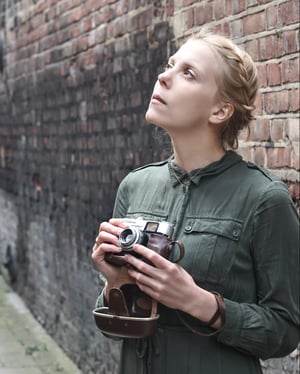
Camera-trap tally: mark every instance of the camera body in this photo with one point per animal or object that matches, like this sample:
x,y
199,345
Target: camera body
x,y
139,233
152,234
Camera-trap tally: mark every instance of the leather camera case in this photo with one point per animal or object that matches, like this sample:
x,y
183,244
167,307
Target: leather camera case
x,y
131,313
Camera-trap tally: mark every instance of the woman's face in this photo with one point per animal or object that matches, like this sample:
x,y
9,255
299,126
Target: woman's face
x,y
185,94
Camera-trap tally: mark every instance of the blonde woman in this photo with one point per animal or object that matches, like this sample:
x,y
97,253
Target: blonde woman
x,y
234,297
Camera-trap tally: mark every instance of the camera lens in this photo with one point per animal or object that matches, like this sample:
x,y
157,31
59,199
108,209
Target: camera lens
x,y
129,237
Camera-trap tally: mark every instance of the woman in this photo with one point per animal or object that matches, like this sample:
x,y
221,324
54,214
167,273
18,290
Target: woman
x,y
239,227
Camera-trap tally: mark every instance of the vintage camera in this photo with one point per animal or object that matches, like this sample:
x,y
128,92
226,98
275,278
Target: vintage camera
x,y
152,234
132,313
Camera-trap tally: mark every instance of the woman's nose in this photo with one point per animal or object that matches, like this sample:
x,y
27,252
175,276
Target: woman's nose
x,y
164,78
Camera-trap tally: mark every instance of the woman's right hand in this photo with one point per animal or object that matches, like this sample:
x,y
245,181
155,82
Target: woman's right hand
x,y
108,241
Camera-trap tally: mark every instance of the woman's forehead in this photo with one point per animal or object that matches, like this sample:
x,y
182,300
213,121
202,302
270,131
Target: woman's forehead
x,y
194,49
197,53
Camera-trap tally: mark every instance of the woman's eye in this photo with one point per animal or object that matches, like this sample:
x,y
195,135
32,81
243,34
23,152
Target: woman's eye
x,y
168,66
188,73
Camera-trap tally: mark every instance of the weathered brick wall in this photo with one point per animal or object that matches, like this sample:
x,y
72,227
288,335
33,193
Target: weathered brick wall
x,y
77,79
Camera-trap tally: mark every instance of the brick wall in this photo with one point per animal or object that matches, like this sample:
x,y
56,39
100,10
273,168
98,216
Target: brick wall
x,y
73,93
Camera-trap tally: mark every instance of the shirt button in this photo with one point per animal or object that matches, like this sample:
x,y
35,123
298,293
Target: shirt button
x,y
188,228
236,233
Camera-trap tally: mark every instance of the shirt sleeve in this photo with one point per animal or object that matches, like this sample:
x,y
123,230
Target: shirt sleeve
x,y
100,301
119,212
269,328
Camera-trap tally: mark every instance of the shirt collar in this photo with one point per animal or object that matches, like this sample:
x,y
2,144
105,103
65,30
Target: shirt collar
x,y
179,176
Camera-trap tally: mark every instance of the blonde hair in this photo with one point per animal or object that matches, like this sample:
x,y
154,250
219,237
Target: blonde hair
x,y
237,84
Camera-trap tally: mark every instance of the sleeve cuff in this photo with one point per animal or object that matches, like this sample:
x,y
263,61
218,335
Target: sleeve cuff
x,y
232,329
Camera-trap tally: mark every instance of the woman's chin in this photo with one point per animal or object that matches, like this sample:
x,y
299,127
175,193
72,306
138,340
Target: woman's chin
x,y
153,119
149,116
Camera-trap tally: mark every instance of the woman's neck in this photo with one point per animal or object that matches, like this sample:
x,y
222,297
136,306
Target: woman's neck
x,y
196,153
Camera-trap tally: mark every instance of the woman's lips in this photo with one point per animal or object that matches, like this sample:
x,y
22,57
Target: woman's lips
x,y
157,98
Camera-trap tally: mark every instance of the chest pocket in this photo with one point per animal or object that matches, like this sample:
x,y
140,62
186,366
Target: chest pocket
x,y
211,245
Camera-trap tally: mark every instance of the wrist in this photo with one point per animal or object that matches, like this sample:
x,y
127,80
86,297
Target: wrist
x,y
106,290
203,306
216,323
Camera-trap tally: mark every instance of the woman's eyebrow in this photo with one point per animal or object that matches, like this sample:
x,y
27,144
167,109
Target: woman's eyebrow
x,y
171,59
188,64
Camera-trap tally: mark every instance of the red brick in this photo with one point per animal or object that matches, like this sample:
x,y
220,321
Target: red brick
x,y
203,13
258,104
41,6
266,48
294,189
144,19
170,8
276,102
289,12
218,9
292,129
109,13
228,7
189,18
278,157
260,130
273,74
83,43
235,6
295,157
294,100
259,156
75,31
262,75
87,25
251,47
289,42
236,28
271,16
277,130
254,23
290,70
223,29
75,15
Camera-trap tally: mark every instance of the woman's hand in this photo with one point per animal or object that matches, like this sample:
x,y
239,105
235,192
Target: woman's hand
x,y
170,284
108,241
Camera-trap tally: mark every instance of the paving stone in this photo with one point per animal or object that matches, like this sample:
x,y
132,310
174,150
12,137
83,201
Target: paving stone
x,y
25,347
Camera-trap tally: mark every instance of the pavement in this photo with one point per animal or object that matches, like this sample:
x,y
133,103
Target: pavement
x,y
25,347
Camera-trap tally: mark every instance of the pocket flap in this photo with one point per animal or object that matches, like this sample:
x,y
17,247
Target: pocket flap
x,y
227,228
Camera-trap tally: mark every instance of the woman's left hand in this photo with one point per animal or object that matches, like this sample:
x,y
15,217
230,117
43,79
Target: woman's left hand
x,y
165,281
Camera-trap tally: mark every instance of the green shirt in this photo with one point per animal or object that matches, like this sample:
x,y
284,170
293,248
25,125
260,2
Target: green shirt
x,y
240,230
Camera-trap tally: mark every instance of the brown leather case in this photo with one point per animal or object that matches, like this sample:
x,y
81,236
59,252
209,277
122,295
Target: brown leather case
x,y
131,313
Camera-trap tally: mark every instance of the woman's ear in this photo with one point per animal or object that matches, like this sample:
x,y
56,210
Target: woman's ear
x,y
222,114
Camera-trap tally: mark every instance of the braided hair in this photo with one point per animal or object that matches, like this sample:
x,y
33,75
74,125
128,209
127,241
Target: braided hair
x,y
238,85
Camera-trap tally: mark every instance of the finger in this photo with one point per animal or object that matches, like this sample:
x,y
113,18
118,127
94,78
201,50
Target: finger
x,y
140,265
105,237
156,259
146,284
120,222
95,246
108,227
142,279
